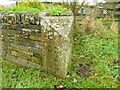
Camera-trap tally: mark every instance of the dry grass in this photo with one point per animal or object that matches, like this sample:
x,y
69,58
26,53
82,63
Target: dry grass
x,y
88,24
114,26
91,24
2,7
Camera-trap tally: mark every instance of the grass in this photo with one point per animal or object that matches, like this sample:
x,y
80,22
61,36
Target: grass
x,y
53,9
97,48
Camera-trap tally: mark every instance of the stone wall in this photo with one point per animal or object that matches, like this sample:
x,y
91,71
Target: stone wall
x,y
40,41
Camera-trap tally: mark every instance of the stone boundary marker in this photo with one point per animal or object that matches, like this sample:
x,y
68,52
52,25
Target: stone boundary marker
x,y
40,41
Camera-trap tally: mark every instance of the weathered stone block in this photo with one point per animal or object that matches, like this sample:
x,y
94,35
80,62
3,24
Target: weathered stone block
x,y
56,38
1,17
8,26
6,51
23,55
35,60
11,32
67,13
45,14
19,26
26,30
36,50
5,17
28,53
26,19
14,53
34,19
35,38
39,56
18,18
22,51
11,18
19,47
33,27
21,62
37,44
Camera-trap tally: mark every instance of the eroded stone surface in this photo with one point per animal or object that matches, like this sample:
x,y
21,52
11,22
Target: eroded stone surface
x,y
56,44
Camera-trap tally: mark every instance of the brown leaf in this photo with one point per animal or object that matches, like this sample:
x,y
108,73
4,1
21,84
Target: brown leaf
x,y
58,86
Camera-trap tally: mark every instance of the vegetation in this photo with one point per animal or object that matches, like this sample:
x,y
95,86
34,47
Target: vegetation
x,y
36,7
94,63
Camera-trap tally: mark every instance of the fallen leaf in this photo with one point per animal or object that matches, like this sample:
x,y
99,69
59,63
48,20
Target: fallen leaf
x,y
59,86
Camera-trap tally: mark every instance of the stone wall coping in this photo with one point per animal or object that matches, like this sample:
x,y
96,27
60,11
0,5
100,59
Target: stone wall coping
x,y
67,13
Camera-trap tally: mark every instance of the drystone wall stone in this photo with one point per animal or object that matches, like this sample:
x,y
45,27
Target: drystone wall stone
x,y
35,40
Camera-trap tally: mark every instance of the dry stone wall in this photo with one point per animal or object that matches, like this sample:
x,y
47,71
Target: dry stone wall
x,y
35,40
